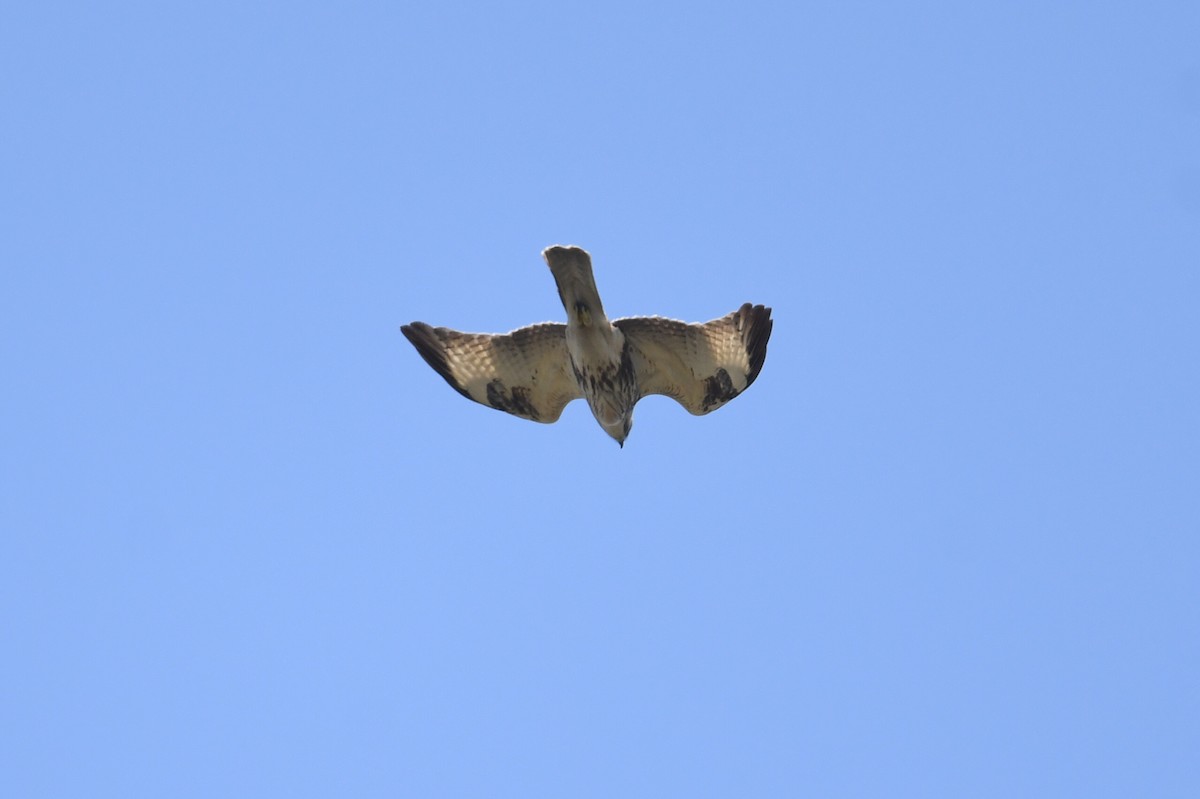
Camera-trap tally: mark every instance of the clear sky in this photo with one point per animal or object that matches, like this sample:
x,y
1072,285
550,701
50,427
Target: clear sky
x,y
947,545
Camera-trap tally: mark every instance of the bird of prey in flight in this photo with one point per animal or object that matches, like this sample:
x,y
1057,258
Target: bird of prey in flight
x,y
533,372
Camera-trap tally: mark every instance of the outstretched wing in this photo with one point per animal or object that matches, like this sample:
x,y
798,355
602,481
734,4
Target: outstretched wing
x,y
701,366
525,372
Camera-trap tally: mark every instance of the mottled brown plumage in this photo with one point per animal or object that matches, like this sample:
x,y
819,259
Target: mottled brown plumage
x,y
533,372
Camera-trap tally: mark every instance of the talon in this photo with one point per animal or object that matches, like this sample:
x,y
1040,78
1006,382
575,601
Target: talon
x,y
585,314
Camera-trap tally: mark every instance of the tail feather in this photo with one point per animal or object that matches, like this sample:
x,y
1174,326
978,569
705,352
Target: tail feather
x,y
572,270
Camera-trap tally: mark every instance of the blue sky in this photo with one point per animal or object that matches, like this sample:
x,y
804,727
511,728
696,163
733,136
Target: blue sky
x,y
945,546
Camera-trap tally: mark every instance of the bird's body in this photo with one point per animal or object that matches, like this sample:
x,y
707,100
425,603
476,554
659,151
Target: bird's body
x,y
533,372
599,361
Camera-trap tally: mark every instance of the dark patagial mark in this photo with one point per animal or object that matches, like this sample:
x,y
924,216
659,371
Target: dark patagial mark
x,y
627,381
625,372
718,390
515,401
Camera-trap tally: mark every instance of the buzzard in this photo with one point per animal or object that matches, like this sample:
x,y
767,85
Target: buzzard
x,y
533,372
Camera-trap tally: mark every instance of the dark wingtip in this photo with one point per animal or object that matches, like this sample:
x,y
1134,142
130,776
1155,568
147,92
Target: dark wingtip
x,y
431,348
756,325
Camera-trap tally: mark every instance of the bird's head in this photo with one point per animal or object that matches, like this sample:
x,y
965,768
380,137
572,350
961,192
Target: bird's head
x,y
619,428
